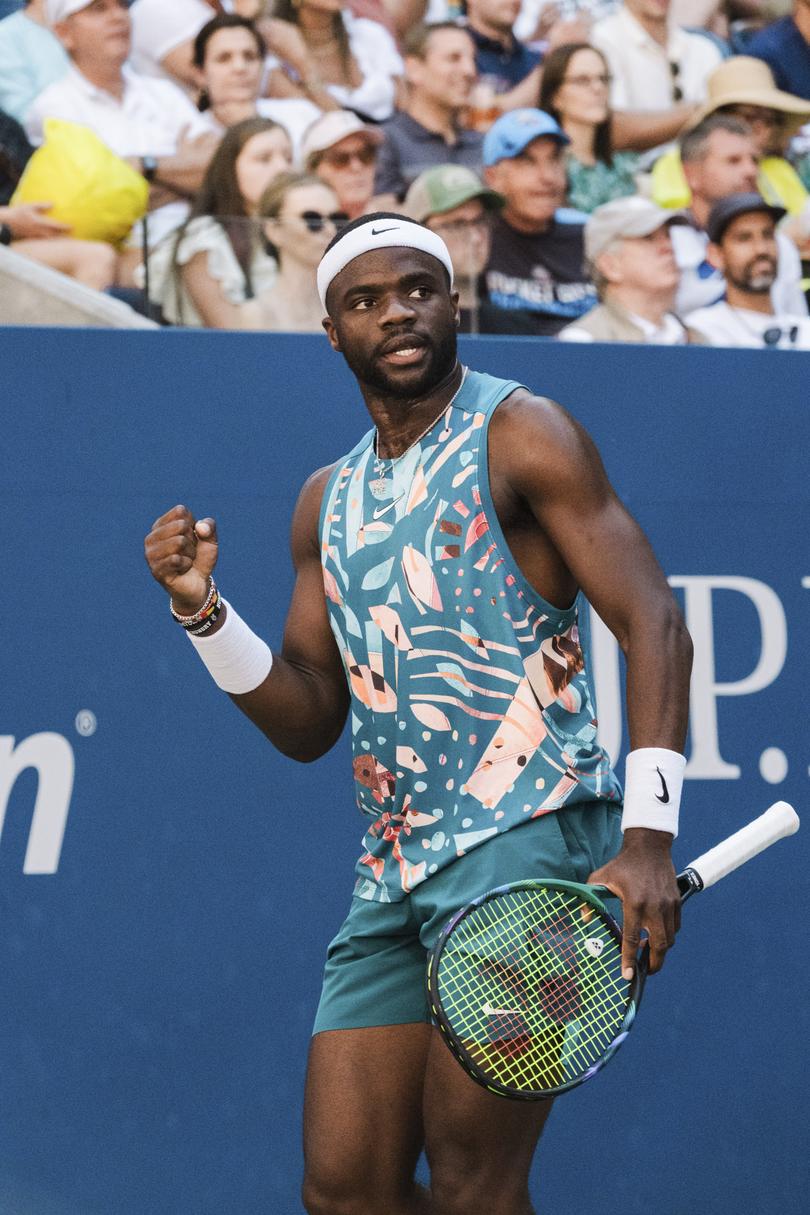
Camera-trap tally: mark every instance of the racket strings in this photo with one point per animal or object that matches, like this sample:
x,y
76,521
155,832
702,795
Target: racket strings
x,y
531,986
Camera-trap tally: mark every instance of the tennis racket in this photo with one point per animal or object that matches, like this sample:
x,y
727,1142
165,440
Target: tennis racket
x,y
526,984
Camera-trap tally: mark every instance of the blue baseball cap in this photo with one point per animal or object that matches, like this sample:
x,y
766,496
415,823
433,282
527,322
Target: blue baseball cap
x,y
515,129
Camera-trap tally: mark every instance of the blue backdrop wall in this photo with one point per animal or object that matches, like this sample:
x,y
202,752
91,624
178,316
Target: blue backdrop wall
x,y
154,1018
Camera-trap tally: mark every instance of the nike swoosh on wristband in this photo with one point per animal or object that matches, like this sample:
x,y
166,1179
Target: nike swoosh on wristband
x,y
379,231
663,800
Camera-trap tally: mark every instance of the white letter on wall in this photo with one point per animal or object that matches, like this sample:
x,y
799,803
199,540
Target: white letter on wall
x,y
51,756
705,762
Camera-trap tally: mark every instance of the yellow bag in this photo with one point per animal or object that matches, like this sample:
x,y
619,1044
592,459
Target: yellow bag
x,y
99,195
669,186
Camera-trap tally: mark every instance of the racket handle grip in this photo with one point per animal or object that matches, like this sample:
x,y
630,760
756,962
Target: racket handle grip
x,y
777,822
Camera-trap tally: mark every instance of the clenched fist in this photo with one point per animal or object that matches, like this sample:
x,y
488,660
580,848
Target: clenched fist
x,y
181,553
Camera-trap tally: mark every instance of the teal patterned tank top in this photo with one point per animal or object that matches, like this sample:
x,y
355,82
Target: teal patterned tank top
x,y
470,704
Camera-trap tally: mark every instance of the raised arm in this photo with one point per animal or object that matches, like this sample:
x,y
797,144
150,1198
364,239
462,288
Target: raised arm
x,y
301,705
638,130
549,463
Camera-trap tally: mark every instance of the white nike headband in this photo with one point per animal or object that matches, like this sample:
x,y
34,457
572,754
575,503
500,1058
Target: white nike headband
x,y
386,233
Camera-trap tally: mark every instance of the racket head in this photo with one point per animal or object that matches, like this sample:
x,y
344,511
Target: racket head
x,y
525,985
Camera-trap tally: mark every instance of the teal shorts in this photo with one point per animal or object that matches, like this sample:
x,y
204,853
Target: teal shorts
x,y
375,966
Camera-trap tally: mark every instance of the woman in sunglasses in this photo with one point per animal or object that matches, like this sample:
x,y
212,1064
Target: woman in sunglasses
x,y
211,272
575,90
301,215
342,151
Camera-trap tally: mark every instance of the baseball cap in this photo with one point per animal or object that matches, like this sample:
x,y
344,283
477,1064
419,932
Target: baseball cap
x,y
330,128
59,9
732,205
624,217
444,187
510,133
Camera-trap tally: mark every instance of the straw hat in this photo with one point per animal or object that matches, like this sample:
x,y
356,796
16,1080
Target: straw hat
x,y
743,80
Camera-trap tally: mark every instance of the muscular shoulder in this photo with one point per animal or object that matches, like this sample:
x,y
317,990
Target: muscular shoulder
x,y
305,538
536,446
530,428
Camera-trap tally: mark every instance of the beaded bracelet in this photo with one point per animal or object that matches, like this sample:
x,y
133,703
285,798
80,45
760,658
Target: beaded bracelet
x,y
202,612
199,630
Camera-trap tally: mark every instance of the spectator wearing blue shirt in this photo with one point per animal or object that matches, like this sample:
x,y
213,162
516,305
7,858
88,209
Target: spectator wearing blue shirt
x,y
501,59
785,47
31,58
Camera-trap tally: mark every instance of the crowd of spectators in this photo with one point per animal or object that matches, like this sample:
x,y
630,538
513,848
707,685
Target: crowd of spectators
x,y
601,170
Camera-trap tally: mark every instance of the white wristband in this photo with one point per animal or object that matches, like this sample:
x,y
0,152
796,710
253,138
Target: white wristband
x,y
652,789
237,659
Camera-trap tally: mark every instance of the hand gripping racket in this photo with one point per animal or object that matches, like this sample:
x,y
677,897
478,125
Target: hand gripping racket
x,y
526,984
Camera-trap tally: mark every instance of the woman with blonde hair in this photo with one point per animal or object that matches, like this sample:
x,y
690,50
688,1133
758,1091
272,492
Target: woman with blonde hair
x,y
301,215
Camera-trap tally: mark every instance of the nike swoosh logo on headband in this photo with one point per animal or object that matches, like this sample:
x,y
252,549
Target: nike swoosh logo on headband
x,y
379,231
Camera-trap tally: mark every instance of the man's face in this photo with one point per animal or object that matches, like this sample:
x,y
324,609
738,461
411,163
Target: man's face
x,y
466,232
642,263
447,72
533,184
498,14
393,318
729,166
100,32
748,254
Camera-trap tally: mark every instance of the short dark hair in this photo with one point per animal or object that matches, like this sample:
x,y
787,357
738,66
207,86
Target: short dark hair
x,y
417,39
694,142
224,21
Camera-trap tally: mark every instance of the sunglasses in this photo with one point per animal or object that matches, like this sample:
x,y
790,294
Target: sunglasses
x,y
772,337
316,222
342,160
675,71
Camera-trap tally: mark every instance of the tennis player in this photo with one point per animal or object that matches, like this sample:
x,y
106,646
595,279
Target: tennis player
x,y
438,566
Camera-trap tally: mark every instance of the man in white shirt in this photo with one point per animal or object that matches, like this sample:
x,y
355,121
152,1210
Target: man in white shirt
x,y
149,122
743,247
720,158
628,249
654,63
